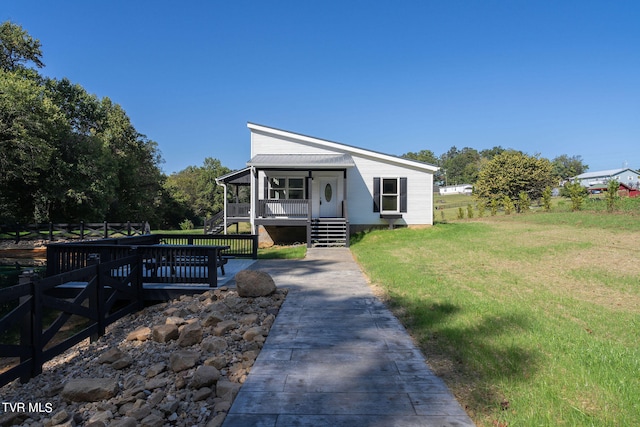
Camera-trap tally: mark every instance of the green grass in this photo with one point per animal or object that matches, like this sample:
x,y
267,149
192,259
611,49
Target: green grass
x,y
530,319
283,252
446,208
197,230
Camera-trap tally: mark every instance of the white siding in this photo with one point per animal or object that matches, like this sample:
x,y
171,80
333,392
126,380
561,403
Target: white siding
x,y
267,144
359,178
360,192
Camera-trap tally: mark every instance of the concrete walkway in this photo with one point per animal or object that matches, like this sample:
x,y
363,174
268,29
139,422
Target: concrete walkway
x,y
336,356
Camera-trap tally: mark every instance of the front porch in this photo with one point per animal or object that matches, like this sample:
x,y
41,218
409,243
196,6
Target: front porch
x,y
306,192
275,213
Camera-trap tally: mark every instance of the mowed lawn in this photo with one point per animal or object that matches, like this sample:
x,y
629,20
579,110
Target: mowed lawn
x,y
531,320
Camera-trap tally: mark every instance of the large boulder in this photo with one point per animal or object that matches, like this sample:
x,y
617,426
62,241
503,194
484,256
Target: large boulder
x,y
254,283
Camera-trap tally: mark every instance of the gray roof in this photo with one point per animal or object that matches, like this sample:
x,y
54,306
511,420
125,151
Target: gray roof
x,y
242,176
603,174
318,161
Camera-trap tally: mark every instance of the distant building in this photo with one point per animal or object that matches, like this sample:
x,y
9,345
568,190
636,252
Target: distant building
x,y
628,177
624,190
456,189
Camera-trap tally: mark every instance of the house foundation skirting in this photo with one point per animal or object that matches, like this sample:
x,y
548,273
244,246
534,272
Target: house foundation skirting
x,y
269,235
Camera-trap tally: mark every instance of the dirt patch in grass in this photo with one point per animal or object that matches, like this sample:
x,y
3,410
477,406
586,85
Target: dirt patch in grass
x,y
610,255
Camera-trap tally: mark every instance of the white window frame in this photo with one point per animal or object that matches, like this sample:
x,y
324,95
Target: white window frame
x,y
389,195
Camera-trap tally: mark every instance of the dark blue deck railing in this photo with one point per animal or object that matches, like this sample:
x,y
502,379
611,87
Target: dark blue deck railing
x,y
63,257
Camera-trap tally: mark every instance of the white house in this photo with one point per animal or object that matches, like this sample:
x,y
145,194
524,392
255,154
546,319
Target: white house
x,y
456,189
625,176
309,189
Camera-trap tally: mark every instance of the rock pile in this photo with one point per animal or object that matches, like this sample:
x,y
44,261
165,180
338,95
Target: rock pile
x,y
179,363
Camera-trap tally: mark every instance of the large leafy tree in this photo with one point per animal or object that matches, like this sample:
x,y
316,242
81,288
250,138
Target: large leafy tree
x,y
18,48
195,188
425,156
511,173
29,120
565,167
66,155
490,153
461,166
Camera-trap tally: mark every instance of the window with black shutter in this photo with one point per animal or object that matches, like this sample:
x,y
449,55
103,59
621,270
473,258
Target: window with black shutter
x,y
390,195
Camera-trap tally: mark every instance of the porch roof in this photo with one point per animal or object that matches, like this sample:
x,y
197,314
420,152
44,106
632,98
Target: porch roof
x,y
239,177
316,161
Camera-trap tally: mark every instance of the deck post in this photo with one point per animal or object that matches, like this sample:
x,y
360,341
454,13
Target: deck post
x,y
212,267
26,333
139,280
36,329
96,300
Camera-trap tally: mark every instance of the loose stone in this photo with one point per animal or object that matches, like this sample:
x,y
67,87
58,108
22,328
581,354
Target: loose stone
x,y
179,363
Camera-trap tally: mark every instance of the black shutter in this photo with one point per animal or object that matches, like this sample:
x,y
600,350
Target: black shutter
x,y
403,194
265,190
376,194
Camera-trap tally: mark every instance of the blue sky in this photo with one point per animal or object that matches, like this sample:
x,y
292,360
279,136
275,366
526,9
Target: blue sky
x,y
549,77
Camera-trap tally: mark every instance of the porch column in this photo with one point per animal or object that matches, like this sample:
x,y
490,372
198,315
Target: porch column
x,y
345,204
253,199
224,210
308,196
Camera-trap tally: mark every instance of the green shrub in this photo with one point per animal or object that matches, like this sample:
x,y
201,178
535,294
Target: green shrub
x,y
469,211
524,202
460,213
546,199
481,208
187,224
494,207
612,195
576,193
508,205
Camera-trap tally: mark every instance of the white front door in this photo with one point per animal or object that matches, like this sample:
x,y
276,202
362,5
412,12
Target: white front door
x,y
328,197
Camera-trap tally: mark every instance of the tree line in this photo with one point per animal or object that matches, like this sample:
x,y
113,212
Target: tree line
x,y
463,166
67,155
503,177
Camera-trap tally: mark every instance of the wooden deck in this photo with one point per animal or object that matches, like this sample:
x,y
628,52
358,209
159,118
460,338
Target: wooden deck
x,y
104,281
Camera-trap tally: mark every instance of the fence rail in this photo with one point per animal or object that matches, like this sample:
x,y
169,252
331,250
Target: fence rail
x,y
28,303
79,231
241,245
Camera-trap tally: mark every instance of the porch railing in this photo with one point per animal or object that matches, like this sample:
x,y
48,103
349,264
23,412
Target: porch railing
x,y
287,208
238,210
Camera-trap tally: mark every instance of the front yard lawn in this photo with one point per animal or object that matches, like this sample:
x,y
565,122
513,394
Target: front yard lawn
x,y
529,319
